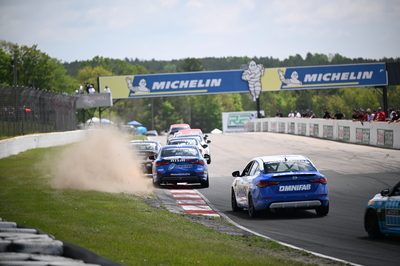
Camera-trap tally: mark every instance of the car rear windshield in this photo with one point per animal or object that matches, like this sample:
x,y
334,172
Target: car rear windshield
x,y
179,152
182,142
143,146
288,166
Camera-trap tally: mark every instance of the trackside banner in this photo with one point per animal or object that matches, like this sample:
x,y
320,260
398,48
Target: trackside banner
x,y
254,79
235,121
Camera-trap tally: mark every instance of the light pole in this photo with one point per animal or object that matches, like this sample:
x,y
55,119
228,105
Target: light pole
x,y
152,114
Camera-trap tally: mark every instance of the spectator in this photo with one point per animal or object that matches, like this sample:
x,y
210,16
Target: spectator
x,y
278,113
81,89
395,117
327,115
391,112
107,90
291,114
312,115
252,116
356,115
91,90
369,116
297,114
304,114
76,91
339,115
380,115
87,86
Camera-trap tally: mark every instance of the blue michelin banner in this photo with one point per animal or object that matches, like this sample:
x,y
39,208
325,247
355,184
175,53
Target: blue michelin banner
x,y
187,83
320,77
254,79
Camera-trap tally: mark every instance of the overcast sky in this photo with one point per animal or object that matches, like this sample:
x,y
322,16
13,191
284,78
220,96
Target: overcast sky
x,y
72,30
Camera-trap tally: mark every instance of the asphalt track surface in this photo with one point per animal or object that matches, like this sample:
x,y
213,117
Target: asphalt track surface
x,y
355,174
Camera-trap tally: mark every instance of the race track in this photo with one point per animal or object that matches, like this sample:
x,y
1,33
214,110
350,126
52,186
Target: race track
x,y
355,173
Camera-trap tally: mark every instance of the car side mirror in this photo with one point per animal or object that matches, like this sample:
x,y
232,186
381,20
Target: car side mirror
x,y
205,146
385,192
208,141
236,174
152,157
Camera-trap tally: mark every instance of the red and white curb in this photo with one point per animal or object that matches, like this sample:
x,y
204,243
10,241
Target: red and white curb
x,y
192,202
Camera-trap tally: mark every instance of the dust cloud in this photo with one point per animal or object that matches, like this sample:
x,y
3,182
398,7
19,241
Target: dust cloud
x,y
101,162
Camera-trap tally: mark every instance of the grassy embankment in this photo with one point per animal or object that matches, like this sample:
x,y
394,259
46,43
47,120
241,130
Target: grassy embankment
x,y
120,226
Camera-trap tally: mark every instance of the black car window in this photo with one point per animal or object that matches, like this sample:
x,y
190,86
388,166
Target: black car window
x,y
247,169
255,168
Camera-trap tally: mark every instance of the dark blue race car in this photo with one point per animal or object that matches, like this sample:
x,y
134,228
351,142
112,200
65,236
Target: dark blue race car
x,y
382,215
279,182
180,164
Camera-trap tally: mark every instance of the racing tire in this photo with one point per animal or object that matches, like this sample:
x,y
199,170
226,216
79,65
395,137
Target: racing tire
x,y
156,184
371,225
322,210
253,213
235,207
205,184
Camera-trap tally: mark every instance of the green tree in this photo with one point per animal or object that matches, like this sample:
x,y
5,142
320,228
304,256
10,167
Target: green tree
x,y
6,71
90,75
36,69
192,64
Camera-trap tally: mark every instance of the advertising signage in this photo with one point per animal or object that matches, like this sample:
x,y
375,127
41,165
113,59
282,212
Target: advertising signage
x,y
254,79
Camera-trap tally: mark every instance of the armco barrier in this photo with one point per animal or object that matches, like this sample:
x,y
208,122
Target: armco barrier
x,y
20,144
380,134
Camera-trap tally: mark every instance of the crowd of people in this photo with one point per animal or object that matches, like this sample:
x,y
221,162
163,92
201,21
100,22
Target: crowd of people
x,y
89,89
358,115
376,115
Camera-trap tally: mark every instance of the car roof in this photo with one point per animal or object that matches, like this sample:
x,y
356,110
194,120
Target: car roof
x,y
274,158
192,130
179,125
196,139
198,136
144,141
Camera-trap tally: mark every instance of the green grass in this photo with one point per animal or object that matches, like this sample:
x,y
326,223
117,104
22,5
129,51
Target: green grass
x,y
120,226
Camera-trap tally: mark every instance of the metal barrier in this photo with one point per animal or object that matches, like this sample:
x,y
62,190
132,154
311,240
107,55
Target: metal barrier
x,y
29,110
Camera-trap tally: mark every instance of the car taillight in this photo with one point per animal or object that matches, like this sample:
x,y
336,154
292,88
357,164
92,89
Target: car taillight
x,y
319,180
161,163
263,184
198,162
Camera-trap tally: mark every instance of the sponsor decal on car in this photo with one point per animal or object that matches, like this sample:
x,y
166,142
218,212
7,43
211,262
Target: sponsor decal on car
x,y
295,187
179,160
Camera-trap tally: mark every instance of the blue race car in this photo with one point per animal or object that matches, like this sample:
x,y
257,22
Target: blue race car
x,y
180,164
382,215
272,183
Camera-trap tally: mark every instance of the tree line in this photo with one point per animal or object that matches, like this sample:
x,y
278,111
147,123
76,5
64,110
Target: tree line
x,y
36,69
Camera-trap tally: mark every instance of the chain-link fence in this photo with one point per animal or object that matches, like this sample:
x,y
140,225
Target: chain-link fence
x,y
29,110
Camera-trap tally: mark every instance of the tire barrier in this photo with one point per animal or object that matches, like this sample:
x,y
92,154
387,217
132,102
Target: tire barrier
x,y
23,245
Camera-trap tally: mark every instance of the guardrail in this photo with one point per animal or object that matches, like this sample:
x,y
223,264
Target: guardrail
x,y
380,134
16,145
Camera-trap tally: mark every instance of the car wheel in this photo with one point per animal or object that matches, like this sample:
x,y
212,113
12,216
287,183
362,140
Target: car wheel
x,y
322,210
251,209
156,184
235,208
205,184
371,224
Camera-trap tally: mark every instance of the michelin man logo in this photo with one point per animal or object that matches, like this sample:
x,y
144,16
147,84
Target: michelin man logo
x,y
292,81
253,75
137,89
